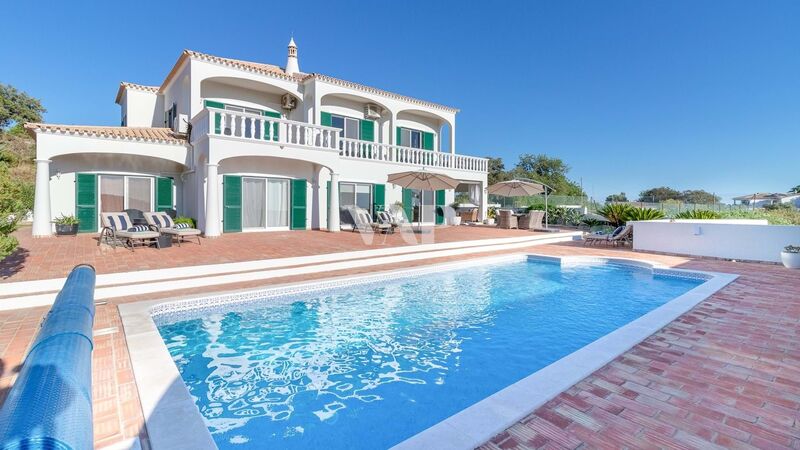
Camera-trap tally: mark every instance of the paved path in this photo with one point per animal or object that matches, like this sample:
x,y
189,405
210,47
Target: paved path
x,y
724,374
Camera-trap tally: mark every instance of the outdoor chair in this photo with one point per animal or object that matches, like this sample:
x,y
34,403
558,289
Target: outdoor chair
x,y
362,222
506,219
531,221
469,216
619,235
164,224
118,228
385,217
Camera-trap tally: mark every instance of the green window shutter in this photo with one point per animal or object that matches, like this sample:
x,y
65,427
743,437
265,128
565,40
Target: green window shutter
x,y
427,140
86,202
231,203
164,200
217,116
408,206
440,204
274,133
299,204
367,130
378,198
399,136
325,119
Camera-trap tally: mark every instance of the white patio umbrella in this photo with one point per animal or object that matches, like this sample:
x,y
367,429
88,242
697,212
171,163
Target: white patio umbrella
x,y
522,188
423,180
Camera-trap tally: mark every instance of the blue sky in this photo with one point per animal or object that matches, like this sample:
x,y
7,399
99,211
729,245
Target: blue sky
x,y
631,94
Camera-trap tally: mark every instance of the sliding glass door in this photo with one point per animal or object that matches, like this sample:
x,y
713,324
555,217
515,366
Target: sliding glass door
x,y
265,203
119,192
423,207
254,203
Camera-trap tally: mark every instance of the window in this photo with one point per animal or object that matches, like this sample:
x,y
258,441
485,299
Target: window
x,y
410,138
358,195
170,115
247,122
422,206
265,203
118,192
351,128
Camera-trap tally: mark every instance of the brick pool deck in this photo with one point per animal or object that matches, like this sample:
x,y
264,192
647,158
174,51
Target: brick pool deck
x,y
724,375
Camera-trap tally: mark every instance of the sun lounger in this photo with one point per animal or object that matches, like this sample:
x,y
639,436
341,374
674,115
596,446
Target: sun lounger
x,y
118,228
362,222
618,236
164,224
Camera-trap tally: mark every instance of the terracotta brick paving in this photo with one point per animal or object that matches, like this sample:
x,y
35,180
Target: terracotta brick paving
x,y
726,374
54,257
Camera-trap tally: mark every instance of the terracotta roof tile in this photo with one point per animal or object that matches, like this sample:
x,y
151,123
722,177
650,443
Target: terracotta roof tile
x,y
164,135
275,71
138,87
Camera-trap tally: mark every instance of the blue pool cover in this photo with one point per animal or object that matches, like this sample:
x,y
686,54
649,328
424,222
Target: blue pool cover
x,y
50,405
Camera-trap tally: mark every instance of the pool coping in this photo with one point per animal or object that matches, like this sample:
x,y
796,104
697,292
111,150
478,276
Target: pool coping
x,y
173,420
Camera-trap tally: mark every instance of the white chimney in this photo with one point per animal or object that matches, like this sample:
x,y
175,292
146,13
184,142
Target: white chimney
x,y
292,65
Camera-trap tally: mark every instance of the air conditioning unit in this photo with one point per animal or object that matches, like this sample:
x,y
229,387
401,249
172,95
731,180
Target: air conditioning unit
x,y
181,124
288,101
372,111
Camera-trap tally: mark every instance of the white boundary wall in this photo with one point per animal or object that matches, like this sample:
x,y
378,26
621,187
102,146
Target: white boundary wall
x,y
751,240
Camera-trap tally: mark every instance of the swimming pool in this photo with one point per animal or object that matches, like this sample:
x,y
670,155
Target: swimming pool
x,y
370,365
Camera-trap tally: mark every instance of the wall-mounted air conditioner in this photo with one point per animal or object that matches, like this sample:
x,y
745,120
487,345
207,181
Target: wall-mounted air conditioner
x,y
372,111
288,101
181,124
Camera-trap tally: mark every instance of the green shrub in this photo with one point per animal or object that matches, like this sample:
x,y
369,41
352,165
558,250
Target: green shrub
x,y
698,214
644,214
189,220
616,213
7,245
775,217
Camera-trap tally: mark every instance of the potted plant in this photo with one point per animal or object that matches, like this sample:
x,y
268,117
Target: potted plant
x,y
456,219
66,225
490,214
790,256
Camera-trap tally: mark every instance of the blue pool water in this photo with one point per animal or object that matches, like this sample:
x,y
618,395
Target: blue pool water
x,y
371,365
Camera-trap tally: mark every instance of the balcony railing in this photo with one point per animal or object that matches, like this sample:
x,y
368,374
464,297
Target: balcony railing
x,y
356,149
219,122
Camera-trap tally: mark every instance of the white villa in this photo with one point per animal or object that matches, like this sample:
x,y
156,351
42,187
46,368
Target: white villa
x,y
245,146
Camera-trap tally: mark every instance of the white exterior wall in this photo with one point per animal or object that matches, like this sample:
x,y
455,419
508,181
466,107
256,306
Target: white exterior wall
x,y
751,240
141,109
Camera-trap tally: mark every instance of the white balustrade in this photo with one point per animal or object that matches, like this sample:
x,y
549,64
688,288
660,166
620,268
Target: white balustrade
x,y
262,128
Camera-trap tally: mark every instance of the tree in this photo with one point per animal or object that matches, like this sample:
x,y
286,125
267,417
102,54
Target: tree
x,y
497,171
795,190
551,171
659,194
17,107
699,196
621,197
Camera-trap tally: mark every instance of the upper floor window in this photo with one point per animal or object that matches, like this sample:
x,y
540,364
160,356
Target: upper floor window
x,y
169,116
410,138
351,128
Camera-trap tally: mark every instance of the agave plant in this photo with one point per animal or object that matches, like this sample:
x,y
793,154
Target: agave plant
x,y
644,214
616,213
698,214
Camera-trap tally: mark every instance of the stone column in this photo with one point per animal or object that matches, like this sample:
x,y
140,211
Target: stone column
x,y
212,201
41,202
333,207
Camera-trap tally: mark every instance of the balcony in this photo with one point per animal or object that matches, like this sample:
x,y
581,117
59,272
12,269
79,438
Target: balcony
x,y
252,127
